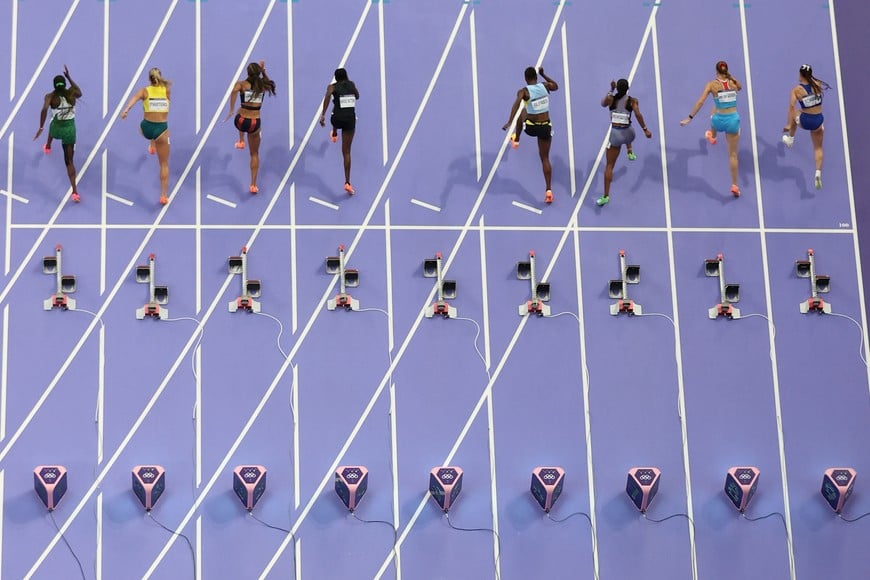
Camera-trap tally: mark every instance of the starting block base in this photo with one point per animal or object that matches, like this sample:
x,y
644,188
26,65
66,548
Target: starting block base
x,y
815,305
343,301
627,306
153,311
245,303
59,301
534,307
441,309
727,310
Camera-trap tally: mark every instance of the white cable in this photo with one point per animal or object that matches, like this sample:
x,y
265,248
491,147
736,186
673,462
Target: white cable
x,y
97,409
389,320
94,314
860,329
658,314
196,346
476,349
577,318
280,332
772,326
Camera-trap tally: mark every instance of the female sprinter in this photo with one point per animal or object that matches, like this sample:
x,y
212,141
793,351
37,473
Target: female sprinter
x,y
725,117
155,100
62,102
535,117
808,93
621,107
251,92
344,95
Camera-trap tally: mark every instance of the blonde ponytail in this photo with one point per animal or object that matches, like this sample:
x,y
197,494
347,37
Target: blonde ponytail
x,y
156,78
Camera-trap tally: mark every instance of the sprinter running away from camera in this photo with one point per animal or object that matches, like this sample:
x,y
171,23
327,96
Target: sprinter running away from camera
x,y
155,101
62,102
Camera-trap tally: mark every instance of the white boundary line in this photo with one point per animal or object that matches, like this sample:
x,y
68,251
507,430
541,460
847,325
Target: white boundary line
x,y
383,66
774,364
197,67
569,118
8,249
39,67
197,415
290,96
484,287
299,559
4,372
14,196
294,309
104,178
198,236
678,345
198,542
394,442
101,392
2,503
587,414
475,94
389,258
319,201
106,4
425,205
294,397
98,564
100,140
118,198
526,207
849,185
13,50
221,201
521,325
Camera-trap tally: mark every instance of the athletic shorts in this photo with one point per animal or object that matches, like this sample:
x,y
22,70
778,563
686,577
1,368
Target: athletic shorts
x,y
729,123
152,130
540,130
65,131
247,125
620,136
811,122
345,123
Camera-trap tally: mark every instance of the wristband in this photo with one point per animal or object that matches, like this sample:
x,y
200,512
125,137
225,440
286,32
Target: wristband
x,y
691,116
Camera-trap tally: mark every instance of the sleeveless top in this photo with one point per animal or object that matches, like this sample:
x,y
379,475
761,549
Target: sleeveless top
x,y
250,98
157,101
344,98
64,111
811,99
620,111
727,97
539,99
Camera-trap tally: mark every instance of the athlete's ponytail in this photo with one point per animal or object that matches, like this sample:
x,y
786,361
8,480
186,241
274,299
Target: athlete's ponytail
x,y
806,73
621,91
156,78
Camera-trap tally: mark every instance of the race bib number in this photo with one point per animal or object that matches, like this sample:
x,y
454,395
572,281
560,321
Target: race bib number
x,y
812,100
540,105
727,97
252,97
618,118
347,101
158,105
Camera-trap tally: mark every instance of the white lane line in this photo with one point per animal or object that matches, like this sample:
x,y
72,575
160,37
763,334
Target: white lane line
x,y
569,122
319,201
526,207
299,559
290,96
382,56
294,309
774,364
8,248
466,428
36,244
485,293
101,391
106,58
197,361
39,67
425,205
475,95
197,67
678,348
14,196
98,564
394,454
294,398
2,503
849,185
104,177
4,373
198,535
198,235
13,50
118,198
490,415
587,415
221,201
389,252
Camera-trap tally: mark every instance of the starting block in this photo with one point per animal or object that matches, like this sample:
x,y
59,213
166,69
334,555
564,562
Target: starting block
x,y
157,295
540,290
347,278
629,274
728,293
250,288
446,289
64,284
819,284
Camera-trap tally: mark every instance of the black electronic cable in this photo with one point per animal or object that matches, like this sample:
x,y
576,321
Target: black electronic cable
x,y
494,533
280,529
186,539
850,520
71,551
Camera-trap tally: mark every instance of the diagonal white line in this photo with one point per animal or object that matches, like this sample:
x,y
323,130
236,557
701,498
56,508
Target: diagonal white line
x,y
220,200
39,67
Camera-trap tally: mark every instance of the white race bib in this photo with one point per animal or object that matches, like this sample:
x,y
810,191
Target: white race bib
x,y
541,104
812,100
347,101
158,105
252,97
725,97
618,118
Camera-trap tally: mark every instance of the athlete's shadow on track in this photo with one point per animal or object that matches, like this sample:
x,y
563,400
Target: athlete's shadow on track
x,y
679,178
312,181
769,165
